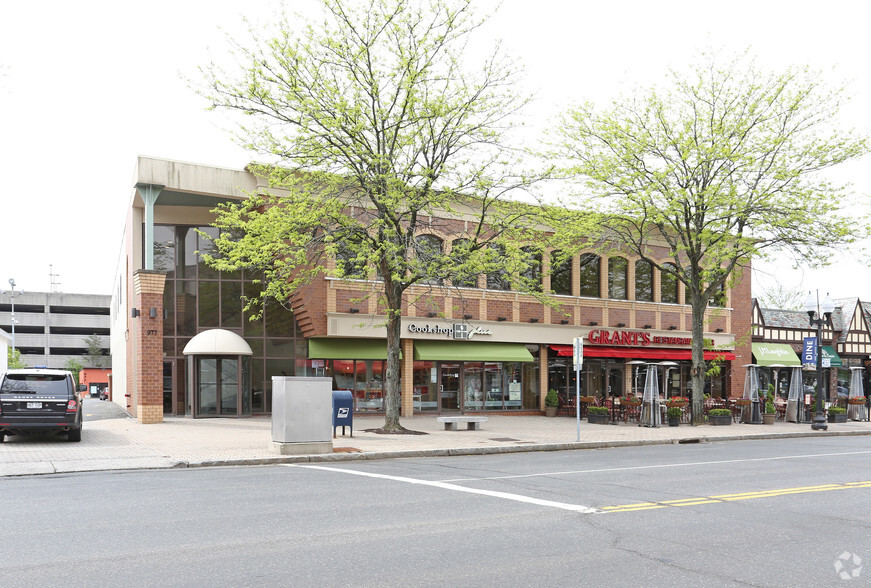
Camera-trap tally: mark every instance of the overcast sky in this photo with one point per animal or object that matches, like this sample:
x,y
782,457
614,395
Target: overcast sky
x,y
86,86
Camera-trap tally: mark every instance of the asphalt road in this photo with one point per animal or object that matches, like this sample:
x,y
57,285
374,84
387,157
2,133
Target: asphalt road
x,y
791,512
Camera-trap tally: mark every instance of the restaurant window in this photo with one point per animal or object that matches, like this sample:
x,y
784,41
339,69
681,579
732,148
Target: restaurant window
x,y
617,278
532,273
460,256
428,250
643,281
668,284
560,273
493,386
589,275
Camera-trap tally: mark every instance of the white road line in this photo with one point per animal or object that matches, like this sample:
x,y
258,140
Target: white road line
x,y
445,486
650,467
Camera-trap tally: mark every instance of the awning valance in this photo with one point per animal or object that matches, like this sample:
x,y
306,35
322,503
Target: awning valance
x,y
774,353
217,342
347,349
641,353
470,351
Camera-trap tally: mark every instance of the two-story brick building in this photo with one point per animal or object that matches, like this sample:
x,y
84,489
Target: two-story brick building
x,y
477,348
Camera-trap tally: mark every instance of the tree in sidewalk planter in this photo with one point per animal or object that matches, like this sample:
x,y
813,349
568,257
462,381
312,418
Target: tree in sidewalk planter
x,y
377,130
721,167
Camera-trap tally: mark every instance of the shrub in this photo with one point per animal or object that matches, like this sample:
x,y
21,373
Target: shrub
x,y
551,399
673,412
837,410
602,410
719,412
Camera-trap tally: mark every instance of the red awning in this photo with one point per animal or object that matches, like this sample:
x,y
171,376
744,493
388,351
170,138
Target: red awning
x,y
640,352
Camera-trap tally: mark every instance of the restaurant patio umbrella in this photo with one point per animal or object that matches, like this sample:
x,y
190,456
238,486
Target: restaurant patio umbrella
x,y
795,400
857,412
650,406
752,413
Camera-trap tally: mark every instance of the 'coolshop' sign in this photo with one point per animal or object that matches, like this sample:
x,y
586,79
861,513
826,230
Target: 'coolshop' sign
x,y
457,331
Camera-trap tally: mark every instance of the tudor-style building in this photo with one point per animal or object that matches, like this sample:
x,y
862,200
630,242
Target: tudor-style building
x,y
778,335
480,347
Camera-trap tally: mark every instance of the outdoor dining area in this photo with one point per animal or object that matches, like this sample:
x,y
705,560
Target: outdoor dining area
x,y
646,405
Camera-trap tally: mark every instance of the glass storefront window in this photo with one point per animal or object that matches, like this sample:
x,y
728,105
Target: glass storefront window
x,y
206,245
513,386
473,395
164,249
425,382
493,386
186,258
186,308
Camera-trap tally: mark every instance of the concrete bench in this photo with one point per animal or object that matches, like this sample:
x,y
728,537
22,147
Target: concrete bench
x,y
473,423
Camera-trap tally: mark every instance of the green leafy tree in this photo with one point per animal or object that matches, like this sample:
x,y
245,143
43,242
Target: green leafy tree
x,y
381,132
96,357
720,167
13,359
75,366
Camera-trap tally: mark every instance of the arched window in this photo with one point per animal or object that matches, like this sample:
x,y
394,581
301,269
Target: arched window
x,y
532,274
668,284
617,278
427,249
498,278
560,274
460,257
349,266
589,275
643,281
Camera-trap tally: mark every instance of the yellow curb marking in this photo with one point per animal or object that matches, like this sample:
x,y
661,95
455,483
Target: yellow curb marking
x,y
733,497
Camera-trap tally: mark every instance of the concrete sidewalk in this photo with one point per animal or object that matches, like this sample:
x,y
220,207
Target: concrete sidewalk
x,y
122,443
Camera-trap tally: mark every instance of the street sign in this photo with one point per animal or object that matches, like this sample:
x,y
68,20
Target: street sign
x,y
578,352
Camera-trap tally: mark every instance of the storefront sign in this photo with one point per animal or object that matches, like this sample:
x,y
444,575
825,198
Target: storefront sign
x,y
637,339
457,331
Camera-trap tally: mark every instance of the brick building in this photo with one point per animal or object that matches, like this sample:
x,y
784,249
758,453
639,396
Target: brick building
x,y
478,348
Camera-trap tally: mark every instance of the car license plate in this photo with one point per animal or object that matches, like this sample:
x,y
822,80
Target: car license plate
x,y
34,405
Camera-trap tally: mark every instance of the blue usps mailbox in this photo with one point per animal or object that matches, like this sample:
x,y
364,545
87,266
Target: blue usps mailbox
x,y
343,411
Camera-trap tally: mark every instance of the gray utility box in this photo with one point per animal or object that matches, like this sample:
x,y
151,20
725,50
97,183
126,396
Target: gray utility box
x,y
302,411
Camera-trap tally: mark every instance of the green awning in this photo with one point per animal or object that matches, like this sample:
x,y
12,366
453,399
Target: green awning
x,y
829,352
470,351
347,349
775,353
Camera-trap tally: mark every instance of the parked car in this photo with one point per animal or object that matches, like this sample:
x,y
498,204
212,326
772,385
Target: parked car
x,y
39,400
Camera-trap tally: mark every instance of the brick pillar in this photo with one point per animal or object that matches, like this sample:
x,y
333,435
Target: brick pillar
x,y
407,377
148,294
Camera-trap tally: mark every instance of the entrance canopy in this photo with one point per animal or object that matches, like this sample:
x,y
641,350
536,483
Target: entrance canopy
x,y
774,353
470,351
641,353
217,342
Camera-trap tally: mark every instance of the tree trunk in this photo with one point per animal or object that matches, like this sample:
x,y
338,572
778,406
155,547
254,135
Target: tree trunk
x,y
393,371
697,371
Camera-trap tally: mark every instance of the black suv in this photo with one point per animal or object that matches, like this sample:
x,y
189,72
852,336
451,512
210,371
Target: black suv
x,y
39,400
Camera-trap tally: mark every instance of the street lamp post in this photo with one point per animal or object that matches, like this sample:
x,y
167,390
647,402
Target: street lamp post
x,y
823,313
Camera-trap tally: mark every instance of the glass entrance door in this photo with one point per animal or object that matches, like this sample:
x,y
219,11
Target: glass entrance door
x,y
218,386
449,386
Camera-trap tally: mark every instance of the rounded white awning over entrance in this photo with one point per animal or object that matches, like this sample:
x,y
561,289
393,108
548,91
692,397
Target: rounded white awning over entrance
x,y
217,342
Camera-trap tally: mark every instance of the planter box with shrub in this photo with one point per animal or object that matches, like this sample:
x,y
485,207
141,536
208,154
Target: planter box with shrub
x,y
597,415
720,416
837,415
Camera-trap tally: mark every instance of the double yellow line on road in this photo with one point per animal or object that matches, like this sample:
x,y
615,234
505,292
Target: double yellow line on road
x,y
732,497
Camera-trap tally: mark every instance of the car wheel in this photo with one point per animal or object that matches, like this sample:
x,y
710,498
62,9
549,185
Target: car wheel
x,y
74,435
2,437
